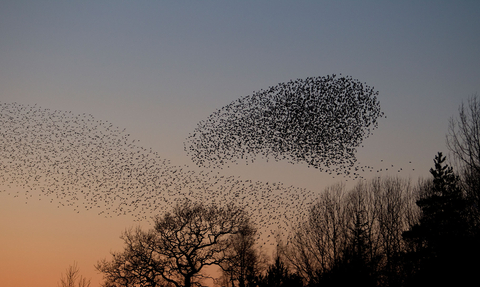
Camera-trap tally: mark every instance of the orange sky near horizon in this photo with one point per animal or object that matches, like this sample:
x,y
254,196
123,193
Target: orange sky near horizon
x,y
157,68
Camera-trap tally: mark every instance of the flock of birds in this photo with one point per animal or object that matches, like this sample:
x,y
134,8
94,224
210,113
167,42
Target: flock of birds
x,y
88,164
320,121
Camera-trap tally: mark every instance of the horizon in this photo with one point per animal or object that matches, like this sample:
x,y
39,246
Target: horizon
x,y
154,70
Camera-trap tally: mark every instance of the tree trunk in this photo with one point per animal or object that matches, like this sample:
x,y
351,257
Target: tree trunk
x,y
188,281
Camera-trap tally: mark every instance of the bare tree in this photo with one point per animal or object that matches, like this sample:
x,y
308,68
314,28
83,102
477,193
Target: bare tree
x,y
355,233
396,212
463,141
72,278
243,261
463,138
177,249
137,265
318,243
362,219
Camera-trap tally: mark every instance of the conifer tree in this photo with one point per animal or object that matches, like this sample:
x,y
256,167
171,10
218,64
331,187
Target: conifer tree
x,y
440,235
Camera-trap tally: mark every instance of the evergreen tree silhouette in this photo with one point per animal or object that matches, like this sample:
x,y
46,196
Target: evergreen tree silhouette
x,y
355,267
278,275
440,239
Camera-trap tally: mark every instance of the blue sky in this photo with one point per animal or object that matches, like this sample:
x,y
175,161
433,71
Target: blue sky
x,y
159,67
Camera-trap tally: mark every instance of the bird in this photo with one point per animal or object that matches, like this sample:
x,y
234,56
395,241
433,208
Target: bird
x,y
86,164
318,120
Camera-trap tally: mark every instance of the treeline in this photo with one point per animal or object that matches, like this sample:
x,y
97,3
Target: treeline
x,y
383,232
388,233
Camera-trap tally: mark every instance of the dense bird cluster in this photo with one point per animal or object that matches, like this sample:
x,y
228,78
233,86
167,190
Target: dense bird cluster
x,y
87,164
320,121
77,161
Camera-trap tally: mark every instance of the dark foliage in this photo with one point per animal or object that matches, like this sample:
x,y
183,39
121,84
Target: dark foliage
x,y
441,242
279,275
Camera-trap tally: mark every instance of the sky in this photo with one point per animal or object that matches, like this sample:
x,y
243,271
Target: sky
x,y
157,68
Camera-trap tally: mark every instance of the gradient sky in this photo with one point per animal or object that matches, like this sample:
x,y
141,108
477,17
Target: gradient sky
x,y
157,68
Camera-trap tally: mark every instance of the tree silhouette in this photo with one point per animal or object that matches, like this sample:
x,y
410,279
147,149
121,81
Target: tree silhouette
x,y
177,249
242,261
279,275
72,278
318,242
440,236
359,256
463,138
137,265
463,141
355,234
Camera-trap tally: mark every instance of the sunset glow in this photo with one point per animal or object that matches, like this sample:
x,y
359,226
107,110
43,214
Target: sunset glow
x,y
129,83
